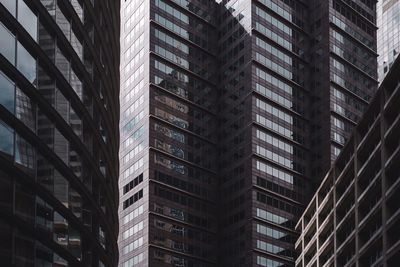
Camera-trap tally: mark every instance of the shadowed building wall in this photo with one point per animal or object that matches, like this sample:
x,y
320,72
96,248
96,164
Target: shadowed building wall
x,y
59,112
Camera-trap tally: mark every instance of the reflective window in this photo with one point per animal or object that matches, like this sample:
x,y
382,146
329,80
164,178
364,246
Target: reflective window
x,y
170,133
62,63
133,214
274,126
264,230
26,64
172,11
133,137
172,26
133,245
172,119
274,81
172,149
24,152
272,217
273,36
27,19
7,94
133,230
172,165
78,8
63,23
7,139
25,109
133,122
11,5
7,44
266,168
268,262
133,261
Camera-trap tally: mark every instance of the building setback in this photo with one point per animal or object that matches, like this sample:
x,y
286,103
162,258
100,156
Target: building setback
x,y
353,218
231,112
59,86
388,21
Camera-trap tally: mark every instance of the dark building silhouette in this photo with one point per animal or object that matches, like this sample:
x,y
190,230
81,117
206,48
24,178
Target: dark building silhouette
x,y
353,218
231,113
59,112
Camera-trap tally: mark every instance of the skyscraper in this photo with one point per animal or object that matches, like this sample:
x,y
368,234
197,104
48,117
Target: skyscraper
x,y
59,111
231,112
303,75
388,22
353,218
168,142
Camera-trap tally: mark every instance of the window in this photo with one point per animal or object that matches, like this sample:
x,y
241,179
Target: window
x,y
274,172
268,262
133,214
26,64
27,19
133,230
134,245
272,217
7,138
7,43
7,93
133,261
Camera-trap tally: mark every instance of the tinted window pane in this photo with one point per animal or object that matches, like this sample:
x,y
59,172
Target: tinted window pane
x,y
25,109
7,44
7,139
7,93
27,18
10,5
26,64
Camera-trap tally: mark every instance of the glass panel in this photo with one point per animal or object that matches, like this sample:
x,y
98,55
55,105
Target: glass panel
x,y
27,19
76,84
63,23
7,139
50,5
10,5
62,63
7,90
7,44
75,243
26,64
44,215
78,8
25,109
24,153
60,230
77,45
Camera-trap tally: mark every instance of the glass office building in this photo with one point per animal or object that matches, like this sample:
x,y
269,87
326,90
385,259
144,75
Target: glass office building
x,y
388,22
353,218
231,112
168,142
59,84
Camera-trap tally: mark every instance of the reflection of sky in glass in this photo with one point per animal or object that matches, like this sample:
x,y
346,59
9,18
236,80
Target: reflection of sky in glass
x,y
27,19
26,64
7,93
7,44
10,5
7,139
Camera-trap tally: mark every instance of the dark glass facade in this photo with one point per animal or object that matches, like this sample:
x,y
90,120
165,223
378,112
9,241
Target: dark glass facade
x,y
231,112
168,143
353,218
59,85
